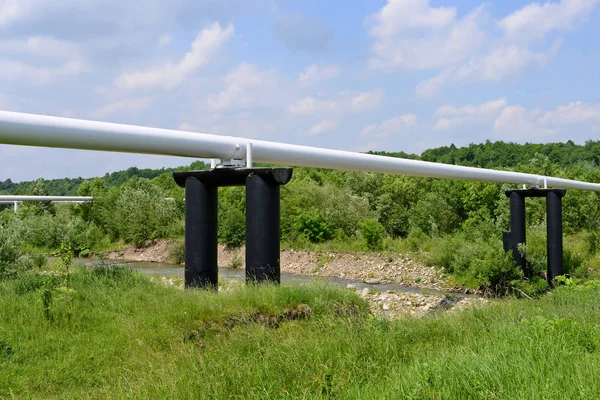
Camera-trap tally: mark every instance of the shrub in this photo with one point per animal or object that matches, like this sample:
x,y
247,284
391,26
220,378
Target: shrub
x,y
177,252
11,261
143,213
476,257
313,226
232,228
372,232
416,240
433,215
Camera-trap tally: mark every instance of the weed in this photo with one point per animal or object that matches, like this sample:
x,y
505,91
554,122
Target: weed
x,y
236,262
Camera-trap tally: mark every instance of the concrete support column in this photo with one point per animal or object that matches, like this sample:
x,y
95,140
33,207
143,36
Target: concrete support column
x,y
262,230
201,268
554,232
517,229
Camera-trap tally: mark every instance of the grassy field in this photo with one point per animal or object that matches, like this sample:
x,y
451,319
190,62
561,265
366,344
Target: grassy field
x,y
113,333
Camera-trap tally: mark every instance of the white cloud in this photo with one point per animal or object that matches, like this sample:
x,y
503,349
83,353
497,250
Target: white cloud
x,y
517,123
208,41
40,60
571,114
396,126
412,34
535,20
441,40
346,102
245,124
322,127
247,86
312,105
432,86
314,74
402,15
450,117
367,101
165,40
128,106
11,10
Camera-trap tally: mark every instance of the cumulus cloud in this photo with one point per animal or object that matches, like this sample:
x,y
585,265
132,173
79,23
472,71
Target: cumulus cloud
x,y
127,106
40,60
397,126
518,123
246,86
322,127
12,10
312,105
169,76
535,20
367,101
314,74
346,102
412,34
515,122
443,38
571,114
453,117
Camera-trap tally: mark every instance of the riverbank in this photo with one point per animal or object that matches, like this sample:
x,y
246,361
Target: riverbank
x,y
374,269
371,268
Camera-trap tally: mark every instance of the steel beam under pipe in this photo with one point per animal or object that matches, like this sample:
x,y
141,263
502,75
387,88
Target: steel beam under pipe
x,y
44,131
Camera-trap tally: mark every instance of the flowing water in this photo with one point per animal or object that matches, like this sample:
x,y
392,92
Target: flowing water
x,y
170,270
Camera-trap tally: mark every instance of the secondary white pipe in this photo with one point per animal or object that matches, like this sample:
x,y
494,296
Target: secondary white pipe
x,y
37,130
6,199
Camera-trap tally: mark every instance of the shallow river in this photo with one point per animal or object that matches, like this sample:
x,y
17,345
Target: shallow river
x,y
170,270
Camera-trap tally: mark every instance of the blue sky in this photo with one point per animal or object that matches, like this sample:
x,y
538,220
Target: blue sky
x,y
395,75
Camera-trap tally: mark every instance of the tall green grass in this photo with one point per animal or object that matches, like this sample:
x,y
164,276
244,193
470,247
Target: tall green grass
x,y
122,336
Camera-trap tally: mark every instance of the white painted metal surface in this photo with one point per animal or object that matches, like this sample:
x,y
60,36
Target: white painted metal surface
x,y
5,199
37,130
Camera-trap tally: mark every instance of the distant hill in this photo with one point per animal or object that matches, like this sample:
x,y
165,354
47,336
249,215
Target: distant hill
x,y
485,155
68,186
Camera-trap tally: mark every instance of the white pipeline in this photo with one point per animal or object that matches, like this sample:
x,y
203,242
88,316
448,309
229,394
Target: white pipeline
x,y
37,130
6,199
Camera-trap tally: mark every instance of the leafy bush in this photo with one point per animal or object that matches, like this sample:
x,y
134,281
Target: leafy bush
x,y
372,232
476,257
536,254
333,206
143,213
11,261
313,226
177,252
232,228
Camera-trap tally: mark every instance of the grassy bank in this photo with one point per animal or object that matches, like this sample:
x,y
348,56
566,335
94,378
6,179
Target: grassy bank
x,y
115,334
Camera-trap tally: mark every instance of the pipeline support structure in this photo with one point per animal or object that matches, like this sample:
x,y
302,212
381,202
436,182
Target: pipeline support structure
x,y
262,222
516,237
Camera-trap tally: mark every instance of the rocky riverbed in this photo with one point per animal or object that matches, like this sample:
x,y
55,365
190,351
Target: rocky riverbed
x,y
362,267
370,268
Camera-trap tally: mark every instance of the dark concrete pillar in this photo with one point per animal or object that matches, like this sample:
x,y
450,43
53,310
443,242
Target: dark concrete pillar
x,y
554,232
517,229
201,268
262,230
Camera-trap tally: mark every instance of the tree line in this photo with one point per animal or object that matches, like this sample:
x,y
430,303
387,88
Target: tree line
x,y
455,225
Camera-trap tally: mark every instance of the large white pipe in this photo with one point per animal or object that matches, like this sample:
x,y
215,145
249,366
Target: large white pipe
x,y
37,130
5,199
